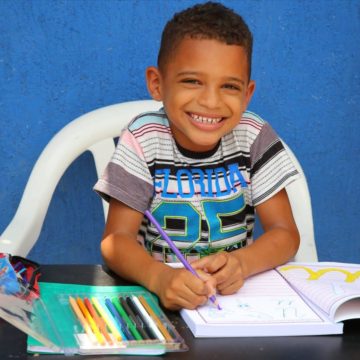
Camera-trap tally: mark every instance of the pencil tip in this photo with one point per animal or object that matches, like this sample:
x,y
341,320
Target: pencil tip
x,y
216,303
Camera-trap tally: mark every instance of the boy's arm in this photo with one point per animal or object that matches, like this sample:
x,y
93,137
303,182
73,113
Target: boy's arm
x,y
276,245
123,253
120,248
280,239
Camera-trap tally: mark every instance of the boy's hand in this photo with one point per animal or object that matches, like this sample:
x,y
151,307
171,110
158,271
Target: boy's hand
x,y
179,288
226,268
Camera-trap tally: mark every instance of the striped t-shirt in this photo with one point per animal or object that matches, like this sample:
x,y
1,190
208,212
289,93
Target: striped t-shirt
x,y
204,201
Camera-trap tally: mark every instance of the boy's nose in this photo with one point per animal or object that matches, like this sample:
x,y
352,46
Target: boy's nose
x,y
209,97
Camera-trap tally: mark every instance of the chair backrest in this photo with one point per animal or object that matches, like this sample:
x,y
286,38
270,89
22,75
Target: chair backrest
x,y
95,132
300,201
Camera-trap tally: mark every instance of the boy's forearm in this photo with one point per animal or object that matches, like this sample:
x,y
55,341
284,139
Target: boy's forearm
x,y
273,248
127,258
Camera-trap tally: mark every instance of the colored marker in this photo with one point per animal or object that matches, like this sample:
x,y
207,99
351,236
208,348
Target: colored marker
x,y
155,318
99,308
138,315
148,320
98,320
91,321
114,321
177,252
82,320
117,318
134,319
124,315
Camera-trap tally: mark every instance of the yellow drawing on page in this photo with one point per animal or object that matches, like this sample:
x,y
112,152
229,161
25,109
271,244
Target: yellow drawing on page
x,y
316,274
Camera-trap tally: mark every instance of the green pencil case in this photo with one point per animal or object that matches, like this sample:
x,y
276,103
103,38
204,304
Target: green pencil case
x,y
89,320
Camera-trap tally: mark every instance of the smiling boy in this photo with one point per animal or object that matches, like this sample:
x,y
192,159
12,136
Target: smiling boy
x,y
202,165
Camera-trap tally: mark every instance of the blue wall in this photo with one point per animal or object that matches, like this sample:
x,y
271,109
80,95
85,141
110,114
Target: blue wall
x,y
60,59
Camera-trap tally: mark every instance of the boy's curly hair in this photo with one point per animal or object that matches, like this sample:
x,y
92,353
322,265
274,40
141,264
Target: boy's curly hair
x,y
209,20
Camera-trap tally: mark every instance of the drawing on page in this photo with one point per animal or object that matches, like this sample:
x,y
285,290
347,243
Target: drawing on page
x,y
242,309
288,310
269,309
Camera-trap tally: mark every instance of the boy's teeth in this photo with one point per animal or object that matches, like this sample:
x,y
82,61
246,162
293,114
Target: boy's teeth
x,y
205,120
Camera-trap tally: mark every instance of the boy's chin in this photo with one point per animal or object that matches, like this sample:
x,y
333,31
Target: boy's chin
x,y
205,146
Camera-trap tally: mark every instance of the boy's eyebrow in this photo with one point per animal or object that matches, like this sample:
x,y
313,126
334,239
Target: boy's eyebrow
x,y
230,78
236,80
184,73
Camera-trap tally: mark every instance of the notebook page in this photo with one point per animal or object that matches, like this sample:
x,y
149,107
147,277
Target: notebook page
x,y
264,298
325,284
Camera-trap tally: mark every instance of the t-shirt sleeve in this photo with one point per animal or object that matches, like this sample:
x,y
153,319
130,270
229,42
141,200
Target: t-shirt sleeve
x,y
271,166
127,177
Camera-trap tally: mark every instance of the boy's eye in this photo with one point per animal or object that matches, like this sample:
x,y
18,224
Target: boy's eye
x,y
191,81
232,87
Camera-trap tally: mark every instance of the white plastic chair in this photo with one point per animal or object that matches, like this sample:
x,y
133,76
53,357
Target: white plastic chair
x,y
300,201
95,132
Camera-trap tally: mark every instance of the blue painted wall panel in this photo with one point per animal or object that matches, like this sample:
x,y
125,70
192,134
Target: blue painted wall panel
x,y
60,59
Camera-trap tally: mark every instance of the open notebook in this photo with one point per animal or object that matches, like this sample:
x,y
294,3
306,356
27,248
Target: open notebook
x,y
294,299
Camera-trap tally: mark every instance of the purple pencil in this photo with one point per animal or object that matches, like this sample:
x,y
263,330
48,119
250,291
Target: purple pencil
x,y
177,252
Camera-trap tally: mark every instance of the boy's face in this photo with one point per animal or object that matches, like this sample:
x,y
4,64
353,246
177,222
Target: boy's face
x,y
205,89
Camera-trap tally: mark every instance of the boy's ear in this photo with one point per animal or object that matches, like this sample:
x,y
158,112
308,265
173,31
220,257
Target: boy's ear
x,y
250,91
153,82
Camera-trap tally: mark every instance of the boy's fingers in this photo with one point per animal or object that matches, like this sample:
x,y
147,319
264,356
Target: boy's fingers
x,y
201,263
211,263
211,287
203,274
231,289
198,295
197,284
209,282
203,287
187,291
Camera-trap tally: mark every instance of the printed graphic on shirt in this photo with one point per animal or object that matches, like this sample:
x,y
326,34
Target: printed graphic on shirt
x,y
198,232
202,210
196,181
